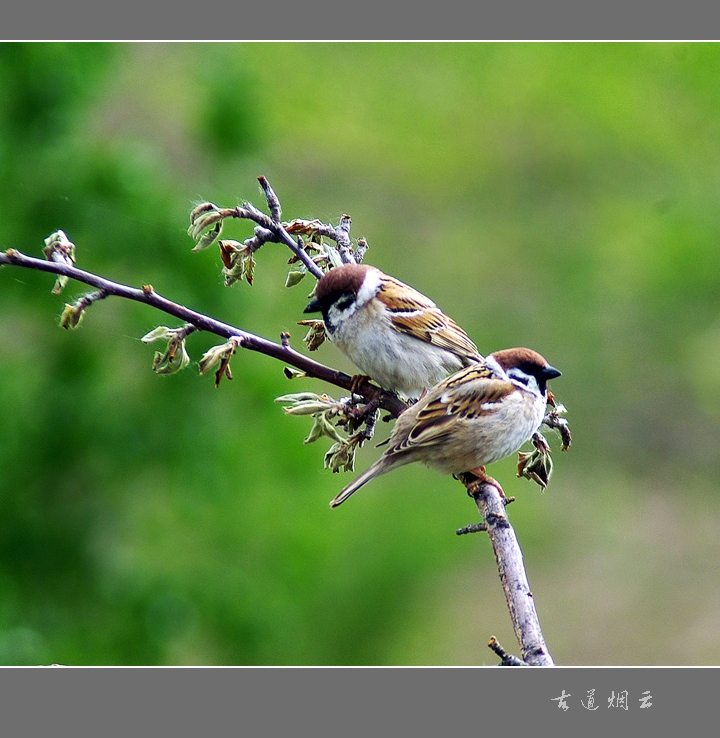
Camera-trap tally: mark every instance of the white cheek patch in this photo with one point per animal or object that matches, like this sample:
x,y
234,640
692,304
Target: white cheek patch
x,y
370,287
525,381
336,317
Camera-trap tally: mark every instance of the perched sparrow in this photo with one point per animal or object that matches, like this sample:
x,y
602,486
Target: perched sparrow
x,y
390,331
479,415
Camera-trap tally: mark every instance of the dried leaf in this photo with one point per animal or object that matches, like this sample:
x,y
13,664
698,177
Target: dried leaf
x,y
316,334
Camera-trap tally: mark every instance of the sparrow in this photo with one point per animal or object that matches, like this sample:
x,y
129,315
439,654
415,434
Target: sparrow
x,y
477,416
391,332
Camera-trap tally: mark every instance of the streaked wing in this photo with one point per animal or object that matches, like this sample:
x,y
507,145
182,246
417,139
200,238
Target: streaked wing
x,y
469,393
416,315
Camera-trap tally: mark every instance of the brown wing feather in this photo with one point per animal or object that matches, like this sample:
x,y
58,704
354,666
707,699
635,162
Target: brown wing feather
x,y
416,315
476,390
401,296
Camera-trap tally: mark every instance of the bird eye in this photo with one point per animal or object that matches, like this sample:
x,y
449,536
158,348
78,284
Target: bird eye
x,y
519,376
343,302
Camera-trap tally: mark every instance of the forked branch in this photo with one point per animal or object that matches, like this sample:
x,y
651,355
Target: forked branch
x,y
311,254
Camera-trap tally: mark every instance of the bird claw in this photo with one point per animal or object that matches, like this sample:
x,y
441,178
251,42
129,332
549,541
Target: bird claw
x,y
473,478
356,381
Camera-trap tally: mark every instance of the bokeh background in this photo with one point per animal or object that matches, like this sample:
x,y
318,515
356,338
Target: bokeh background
x,y
560,196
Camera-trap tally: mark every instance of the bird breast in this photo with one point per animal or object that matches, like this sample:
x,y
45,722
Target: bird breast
x,y
395,360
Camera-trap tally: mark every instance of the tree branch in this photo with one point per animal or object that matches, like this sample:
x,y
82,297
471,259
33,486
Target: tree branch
x,y
206,224
511,568
387,400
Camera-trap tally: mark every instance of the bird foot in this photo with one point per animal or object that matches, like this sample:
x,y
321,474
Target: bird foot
x,y
473,478
356,381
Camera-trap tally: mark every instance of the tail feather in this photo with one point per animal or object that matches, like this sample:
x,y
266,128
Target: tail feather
x,y
375,470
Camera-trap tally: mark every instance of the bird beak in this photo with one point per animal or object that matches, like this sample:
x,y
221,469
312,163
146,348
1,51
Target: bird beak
x,y
312,307
550,372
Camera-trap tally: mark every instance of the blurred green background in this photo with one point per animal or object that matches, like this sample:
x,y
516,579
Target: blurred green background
x,y
560,196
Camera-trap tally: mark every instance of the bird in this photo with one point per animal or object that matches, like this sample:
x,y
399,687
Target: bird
x,y
476,416
390,331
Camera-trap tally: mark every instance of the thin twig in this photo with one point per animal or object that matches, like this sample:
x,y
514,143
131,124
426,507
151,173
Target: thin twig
x,y
272,199
342,234
472,528
507,659
147,295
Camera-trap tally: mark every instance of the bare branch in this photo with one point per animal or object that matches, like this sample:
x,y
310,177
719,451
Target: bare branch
x,y
342,236
285,353
272,199
512,571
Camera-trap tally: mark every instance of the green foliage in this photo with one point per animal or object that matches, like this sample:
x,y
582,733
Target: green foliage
x,y
562,196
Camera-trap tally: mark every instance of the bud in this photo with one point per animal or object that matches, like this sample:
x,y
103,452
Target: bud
x,y
205,216
316,432
340,455
220,354
208,238
239,263
333,255
173,359
60,249
295,276
298,397
535,465
361,248
161,333
292,373
323,427
553,420
175,356
311,228
309,403
329,429
306,408
71,316
228,247
249,268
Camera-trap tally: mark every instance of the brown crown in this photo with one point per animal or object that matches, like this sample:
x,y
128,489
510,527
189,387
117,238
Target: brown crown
x,y
526,359
339,281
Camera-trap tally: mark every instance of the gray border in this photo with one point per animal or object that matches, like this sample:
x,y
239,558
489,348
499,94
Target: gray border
x,y
352,701
355,701
510,20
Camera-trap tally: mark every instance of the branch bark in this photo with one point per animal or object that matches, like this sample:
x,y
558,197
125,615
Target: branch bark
x,y
511,569
387,400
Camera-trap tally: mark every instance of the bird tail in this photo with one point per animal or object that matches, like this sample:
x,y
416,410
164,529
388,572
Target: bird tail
x,y
373,471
